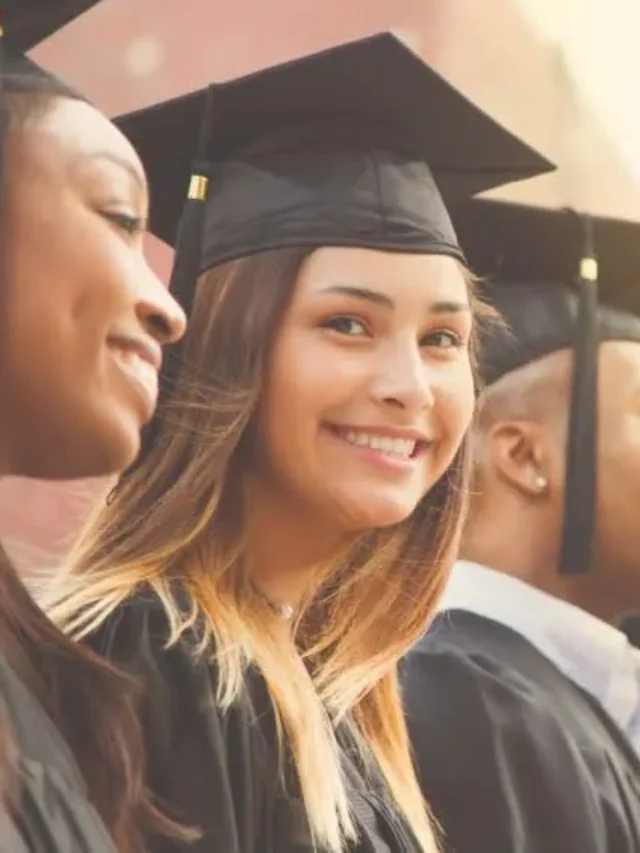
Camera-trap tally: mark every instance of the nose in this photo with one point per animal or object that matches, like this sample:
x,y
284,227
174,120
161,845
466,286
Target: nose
x,y
158,312
403,380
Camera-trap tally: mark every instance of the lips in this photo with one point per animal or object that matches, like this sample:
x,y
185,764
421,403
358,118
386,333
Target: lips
x,y
403,445
401,448
139,367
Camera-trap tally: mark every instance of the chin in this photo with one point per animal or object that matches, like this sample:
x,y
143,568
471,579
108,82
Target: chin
x,y
117,452
373,513
101,452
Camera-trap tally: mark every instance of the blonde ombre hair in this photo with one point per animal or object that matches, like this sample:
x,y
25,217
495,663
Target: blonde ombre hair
x,y
179,517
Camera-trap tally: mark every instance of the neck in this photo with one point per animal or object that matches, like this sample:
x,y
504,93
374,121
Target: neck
x,y
596,592
523,556
285,544
533,557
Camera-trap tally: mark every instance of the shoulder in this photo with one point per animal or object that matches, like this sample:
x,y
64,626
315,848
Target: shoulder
x,y
473,660
179,679
493,750
139,619
211,766
173,678
55,813
500,714
139,631
33,731
494,668
55,817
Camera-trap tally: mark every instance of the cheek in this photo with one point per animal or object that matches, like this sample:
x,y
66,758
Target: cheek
x,y
66,284
455,402
35,319
308,379
67,287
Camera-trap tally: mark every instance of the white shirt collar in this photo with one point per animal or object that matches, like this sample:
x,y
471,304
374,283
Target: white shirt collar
x,y
592,653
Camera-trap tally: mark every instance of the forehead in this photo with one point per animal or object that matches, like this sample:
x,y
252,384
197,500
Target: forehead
x,y
79,130
388,270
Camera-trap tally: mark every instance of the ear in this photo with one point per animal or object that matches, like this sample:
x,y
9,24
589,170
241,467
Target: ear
x,y
520,458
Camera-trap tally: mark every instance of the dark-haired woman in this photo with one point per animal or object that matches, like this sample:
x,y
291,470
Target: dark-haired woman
x,y
82,323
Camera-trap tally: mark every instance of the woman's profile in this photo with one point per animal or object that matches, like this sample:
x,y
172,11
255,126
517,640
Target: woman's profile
x,y
82,323
285,540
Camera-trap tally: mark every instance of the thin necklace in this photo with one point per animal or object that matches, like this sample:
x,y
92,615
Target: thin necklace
x,y
283,610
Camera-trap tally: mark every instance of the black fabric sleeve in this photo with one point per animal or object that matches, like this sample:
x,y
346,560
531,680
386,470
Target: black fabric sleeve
x,y
204,767
53,814
495,765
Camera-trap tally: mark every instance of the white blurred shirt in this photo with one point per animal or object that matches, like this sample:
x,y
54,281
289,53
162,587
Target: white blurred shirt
x,y
593,654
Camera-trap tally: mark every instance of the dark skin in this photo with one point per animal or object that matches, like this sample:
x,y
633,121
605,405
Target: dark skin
x,y
520,458
82,316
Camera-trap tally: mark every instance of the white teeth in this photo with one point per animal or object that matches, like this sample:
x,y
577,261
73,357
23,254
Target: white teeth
x,y
140,370
402,448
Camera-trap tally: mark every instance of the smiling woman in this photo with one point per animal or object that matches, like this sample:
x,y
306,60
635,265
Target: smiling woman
x,y
82,321
296,381
314,463
83,316
373,380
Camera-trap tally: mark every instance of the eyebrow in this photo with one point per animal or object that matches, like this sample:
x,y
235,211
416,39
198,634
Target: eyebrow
x,y
122,162
368,295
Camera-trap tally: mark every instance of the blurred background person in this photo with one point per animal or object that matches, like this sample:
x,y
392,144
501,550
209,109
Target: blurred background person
x,y
523,699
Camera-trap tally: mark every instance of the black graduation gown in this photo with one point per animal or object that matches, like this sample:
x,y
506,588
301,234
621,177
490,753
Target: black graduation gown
x,y
216,771
513,756
54,815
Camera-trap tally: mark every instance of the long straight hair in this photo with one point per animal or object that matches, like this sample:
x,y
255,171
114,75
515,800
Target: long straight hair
x,y
94,706
177,518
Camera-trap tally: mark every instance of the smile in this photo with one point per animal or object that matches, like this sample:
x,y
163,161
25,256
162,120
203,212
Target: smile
x,y
393,447
401,448
140,372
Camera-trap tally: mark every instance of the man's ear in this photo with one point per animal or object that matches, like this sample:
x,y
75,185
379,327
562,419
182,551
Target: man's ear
x,y
519,456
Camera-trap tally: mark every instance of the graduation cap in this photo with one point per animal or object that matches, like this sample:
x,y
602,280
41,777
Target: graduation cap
x,y
359,145
28,22
545,269
355,145
25,23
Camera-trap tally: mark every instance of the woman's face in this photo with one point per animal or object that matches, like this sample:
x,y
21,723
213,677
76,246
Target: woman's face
x,y
370,388
82,315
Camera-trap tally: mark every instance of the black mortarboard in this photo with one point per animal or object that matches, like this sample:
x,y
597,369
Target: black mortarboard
x,y
354,146
28,22
329,149
543,276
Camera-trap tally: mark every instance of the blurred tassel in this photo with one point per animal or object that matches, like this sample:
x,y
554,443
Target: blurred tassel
x,y
580,498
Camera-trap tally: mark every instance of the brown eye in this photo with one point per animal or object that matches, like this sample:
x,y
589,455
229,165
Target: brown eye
x,y
348,326
442,340
132,225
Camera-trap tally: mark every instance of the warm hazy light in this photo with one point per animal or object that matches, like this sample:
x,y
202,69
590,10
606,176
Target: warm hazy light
x,y
561,74
600,44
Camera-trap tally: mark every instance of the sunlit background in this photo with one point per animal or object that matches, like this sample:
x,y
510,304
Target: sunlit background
x,y
563,74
